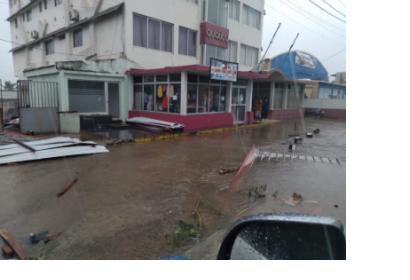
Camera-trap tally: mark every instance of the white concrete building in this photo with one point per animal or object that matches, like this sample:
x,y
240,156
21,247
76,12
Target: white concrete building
x,y
123,57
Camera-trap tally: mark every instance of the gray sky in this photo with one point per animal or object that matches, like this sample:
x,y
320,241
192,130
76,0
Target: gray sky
x,y
320,34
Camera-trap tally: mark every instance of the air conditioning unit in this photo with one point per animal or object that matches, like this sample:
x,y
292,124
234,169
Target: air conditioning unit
x,y
74,15
34,34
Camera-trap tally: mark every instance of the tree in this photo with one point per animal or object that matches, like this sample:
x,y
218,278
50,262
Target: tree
x,y
9,86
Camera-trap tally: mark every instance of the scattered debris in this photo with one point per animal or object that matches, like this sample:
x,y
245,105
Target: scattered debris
x,y
67,187
167,126
7,251
298,140
51,237
13,244
294,200
311,201
22,144
186,232
197,214
275,195
36,238
257,191
119,142
316,131
46,149
247,163
309,134
224,171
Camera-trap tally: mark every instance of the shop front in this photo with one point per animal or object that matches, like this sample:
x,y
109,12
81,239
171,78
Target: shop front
x,y
187,95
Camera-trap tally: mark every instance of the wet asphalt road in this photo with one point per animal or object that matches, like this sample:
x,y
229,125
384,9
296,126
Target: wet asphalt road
x,y
127,203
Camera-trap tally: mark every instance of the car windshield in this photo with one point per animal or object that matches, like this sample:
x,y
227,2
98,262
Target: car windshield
x,y
145,129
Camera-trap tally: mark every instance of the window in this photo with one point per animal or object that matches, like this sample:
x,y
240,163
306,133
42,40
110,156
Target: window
x,y
160,93
49,47
205,96
28,15
187,41
218,12
233,51
251,17
16,24
249,55
78,38
45,4
214,52
166,37
234,9
153,34
57,2
40,6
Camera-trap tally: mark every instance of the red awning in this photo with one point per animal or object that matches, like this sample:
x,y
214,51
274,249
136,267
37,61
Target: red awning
x,y
196,68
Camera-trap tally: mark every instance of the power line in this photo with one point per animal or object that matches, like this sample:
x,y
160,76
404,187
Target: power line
x,y
326,11
316,20
300,24
333,55
336,10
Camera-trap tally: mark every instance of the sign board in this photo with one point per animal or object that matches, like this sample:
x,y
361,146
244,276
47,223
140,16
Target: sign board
x,y
305,60
214,35
223,70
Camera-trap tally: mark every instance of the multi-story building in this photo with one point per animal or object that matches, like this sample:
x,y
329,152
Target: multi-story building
x,y
142,58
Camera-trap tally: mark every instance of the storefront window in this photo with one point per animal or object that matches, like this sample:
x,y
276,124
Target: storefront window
x,y
160,93
149,97
192,99
205,96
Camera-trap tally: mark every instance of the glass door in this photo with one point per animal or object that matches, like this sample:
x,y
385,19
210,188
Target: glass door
x,y
239,104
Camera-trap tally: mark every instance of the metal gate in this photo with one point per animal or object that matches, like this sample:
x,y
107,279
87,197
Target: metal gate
x,y
38,106
37,94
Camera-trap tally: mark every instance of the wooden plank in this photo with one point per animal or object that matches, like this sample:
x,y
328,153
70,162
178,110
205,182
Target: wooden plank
x,y
13,244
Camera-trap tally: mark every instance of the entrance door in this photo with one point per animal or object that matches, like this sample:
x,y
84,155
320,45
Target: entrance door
x,y
239,104
114,100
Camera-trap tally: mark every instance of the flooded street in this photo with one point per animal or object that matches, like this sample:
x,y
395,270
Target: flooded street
x,y
127,203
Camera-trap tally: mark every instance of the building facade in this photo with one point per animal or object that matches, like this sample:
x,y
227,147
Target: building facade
x,y
145,58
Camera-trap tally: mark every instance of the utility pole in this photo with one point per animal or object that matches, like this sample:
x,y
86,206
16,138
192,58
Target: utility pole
x,y
271,41
2,105
294,41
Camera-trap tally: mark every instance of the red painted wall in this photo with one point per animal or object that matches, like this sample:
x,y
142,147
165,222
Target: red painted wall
x,y
191,122
335,113
285,114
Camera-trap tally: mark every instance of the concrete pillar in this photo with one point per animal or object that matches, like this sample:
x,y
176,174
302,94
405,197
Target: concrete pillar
x,y
229,97
184,92
63,92
285,97
272,96
128,96
249,95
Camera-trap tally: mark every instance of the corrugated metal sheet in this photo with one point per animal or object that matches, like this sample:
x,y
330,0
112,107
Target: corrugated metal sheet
x,y
47,149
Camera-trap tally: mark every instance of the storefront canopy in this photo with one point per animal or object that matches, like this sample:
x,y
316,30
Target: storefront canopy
x,y
203,69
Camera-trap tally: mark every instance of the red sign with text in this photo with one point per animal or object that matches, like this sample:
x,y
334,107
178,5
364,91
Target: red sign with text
x,y
214,35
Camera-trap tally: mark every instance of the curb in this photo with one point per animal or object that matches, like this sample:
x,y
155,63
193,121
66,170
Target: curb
x,y
170,137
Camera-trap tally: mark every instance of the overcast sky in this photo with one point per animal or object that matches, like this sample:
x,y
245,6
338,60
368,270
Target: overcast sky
x,y
320,34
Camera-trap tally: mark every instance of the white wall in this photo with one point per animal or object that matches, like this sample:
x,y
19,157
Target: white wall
x,y
324,103
180,13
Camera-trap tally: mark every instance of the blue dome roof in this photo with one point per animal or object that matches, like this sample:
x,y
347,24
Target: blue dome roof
x,y
300,65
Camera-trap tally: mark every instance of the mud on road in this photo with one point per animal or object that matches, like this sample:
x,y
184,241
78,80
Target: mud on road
x,y
127,203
